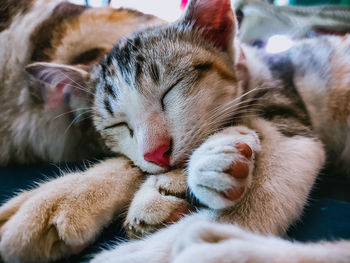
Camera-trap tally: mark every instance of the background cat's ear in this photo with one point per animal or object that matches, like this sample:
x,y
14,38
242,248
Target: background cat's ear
x,y
63,83
215,19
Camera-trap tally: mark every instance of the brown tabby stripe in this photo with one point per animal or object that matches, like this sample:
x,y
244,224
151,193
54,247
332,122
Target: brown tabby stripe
x,y
154,72
52,30
88,56
108,106
109,90
221,71
10,8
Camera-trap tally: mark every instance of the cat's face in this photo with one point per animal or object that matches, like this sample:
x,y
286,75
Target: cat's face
x,y
160,93
163,91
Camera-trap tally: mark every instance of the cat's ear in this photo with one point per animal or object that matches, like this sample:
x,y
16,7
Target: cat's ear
x,y
215,20
62,83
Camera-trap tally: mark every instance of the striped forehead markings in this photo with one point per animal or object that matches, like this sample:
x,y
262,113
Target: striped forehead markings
x,y
110,90
108,105
88,56
139,63
136,43
203,66
154,72
107,72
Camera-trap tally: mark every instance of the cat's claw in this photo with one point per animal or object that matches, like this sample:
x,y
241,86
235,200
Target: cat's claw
x,y
221,169
159,201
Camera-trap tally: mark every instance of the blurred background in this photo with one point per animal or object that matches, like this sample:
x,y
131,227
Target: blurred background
x,y
170,10
260,21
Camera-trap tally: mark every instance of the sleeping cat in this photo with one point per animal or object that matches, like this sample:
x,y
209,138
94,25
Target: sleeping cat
x,y
52,123
244,124
294,21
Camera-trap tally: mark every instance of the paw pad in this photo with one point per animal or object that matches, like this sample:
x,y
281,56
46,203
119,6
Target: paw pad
x,y
234,193
178,213
244,149
239,169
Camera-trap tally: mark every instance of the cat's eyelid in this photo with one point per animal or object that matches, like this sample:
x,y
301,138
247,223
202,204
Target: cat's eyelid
x,y
120,124
116,125
168,90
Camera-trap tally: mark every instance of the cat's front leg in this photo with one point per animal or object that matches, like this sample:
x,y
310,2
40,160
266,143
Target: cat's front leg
x,y
64,215
208,242
284,171
161,200
221,170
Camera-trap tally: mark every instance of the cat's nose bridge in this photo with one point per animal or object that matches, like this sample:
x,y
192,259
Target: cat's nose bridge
x,y
156,142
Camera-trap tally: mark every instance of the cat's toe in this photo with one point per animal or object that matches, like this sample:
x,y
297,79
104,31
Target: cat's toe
x,y
178,213
155,215
244,149
11,207
233,193
157,203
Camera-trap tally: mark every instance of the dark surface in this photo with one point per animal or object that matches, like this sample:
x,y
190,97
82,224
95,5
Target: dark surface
x,y
326,216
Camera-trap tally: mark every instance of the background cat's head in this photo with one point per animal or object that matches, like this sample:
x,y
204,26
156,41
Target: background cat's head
x,y
161,92
67,45
61,43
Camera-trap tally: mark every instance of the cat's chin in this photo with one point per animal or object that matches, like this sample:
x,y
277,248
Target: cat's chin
x,y
152,168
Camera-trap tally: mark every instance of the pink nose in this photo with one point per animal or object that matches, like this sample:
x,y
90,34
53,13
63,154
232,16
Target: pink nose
x,y
160,155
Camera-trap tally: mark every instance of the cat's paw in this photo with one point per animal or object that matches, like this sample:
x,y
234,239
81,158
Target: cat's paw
x,y
221,169
209,242
48,223
161,200
156,248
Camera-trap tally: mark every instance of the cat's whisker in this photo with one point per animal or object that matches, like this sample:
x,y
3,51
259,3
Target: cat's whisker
x,y
232,104
214,121
72,111
83,119
131,43
247,93
80,87
229,111
73,121
241,111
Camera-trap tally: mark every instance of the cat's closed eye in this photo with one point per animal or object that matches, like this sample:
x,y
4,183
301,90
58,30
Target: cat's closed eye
x,y
167,92
121,124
